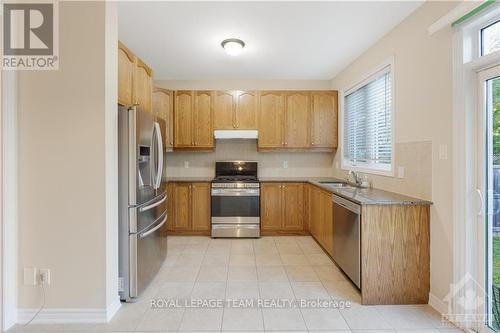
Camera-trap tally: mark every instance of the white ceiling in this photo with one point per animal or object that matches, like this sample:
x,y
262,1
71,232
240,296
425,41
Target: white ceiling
x,y
285,40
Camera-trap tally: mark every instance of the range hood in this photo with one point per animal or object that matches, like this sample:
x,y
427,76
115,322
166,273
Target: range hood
x,y
236,134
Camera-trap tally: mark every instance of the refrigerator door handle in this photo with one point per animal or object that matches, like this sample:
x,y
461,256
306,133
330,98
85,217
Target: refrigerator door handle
x,y
150,231
153,205
160,155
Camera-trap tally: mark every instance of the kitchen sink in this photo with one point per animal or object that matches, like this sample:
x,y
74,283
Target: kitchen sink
x,y
336,184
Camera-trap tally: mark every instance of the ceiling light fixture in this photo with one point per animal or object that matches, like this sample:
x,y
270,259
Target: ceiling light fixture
x,y
233,46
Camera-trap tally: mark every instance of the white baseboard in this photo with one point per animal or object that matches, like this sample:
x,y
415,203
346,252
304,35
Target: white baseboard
x,y
113,309
438,304
63,316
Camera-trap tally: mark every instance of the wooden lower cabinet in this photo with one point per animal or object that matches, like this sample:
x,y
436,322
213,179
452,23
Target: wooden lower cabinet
x,y
181,207
282,208
321,217
293,206
200,207
189,208
395,257
394,248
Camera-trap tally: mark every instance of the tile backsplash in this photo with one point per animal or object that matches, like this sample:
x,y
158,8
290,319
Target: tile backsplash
x,y
416,160
271,164
414,157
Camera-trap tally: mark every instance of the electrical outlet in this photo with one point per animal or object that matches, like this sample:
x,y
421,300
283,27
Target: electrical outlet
x,y
30,274
45,276
285,164
186,164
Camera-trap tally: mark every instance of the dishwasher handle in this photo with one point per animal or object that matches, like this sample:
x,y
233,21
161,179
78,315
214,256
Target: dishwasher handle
x,y
347,204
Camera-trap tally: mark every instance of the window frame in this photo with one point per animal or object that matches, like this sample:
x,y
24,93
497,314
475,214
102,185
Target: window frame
x,y
493,21
369,168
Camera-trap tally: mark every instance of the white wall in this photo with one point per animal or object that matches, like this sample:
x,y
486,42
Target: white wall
x,y
67,154
244,84
423,114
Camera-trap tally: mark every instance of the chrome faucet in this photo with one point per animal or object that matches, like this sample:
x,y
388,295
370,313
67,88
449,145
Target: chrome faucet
x,y
356,177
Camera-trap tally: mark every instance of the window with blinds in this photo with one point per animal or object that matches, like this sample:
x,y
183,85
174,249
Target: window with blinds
x,y
367,141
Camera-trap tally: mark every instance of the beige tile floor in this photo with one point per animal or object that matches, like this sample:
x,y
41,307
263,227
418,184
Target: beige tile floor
x,y
270,268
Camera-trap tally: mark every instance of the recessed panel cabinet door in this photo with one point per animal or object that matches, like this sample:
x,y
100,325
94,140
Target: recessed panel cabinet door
x,y
246,110
293,206
297,119
183,119
200,206
126,68
144,86
182,206
163,109
315,204
203,119
327,222
271,114
224,110
324,119
270,206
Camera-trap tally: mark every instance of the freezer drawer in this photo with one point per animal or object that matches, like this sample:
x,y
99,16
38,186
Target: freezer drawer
x,y
143,216
148,250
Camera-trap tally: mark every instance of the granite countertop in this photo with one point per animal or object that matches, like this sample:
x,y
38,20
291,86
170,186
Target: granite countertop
x,y
362,196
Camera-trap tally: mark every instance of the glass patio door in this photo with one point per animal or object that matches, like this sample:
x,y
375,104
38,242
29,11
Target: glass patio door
x,y
488,181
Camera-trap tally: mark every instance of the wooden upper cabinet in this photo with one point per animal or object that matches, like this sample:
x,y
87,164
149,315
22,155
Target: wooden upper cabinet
x,y
324,119
203,119
200,206
293,206
270,206
224,110
183,119
163,105
271,115
297,120
246,110
143,86
126,68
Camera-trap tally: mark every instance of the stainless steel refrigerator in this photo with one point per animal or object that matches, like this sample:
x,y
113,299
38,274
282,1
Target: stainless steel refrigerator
x,y
142,201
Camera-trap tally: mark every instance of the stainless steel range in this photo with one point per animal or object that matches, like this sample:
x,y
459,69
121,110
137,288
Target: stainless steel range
x,y
235,200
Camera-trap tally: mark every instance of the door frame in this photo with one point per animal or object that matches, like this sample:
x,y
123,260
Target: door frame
x,y
484,184
467,63
8,203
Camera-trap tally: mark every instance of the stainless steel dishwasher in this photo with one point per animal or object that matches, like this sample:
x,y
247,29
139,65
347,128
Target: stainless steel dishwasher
x,y
347,237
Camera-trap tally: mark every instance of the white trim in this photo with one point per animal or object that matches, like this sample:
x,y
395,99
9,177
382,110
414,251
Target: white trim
x,y
113,308
453,15
63,316
9,198
357,84
466,63
438,304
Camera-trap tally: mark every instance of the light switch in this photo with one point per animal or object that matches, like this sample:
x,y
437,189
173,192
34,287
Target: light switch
x,y
443,152
401,172
186,164
30,276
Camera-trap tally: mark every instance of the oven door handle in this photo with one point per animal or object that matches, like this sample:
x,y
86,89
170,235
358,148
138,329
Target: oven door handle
x,y
236,194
